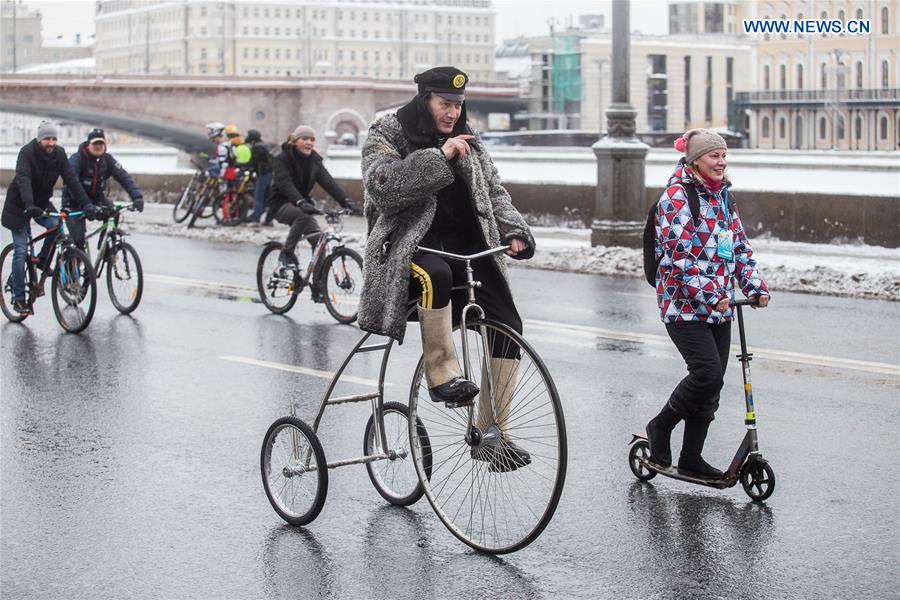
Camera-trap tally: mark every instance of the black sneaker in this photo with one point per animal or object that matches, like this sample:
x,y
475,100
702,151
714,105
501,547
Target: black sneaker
x,y
22,307
504,457
318,293
288,259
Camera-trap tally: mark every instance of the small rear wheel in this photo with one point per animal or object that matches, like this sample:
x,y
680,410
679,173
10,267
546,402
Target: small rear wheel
x,y
758,479
395,478
342,283
278,285
74,290
294,471
124,277
637,455
6,299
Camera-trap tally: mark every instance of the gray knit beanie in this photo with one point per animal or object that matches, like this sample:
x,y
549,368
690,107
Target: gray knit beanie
x,y
302,131
47,130
697,142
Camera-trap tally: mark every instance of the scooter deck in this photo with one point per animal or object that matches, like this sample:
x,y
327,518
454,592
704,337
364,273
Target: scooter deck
x,y
675,474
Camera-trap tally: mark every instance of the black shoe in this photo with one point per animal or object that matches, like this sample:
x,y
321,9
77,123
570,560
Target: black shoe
x,y
504,457
288,259
697,467
22,307
659,436
458,391
318,293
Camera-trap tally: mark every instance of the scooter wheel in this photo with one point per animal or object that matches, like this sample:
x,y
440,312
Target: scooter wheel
x,y
640,450
758,479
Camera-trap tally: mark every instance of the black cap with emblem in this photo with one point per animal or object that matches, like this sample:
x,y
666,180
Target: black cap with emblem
x,y
447,82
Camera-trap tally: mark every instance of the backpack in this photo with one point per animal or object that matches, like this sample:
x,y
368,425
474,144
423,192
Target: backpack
x,y
651,263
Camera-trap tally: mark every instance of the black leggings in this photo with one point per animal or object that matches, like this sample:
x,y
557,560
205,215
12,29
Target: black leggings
x,y
432,277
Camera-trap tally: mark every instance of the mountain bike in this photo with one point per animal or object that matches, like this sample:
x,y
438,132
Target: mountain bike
x,y
185,205
454,456
334,274
232,206
74,288
124,274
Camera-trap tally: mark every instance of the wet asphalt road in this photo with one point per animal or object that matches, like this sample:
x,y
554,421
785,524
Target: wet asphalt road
x,y
130,453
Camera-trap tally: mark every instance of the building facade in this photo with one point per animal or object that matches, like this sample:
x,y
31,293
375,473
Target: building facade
x,y
20,36
390,39
826,91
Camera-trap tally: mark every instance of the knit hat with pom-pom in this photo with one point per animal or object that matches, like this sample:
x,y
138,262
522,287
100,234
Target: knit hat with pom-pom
x,y
697,142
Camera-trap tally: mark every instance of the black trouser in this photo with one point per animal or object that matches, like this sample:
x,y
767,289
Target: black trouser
x,y
705,349
301,224
432,278
77,227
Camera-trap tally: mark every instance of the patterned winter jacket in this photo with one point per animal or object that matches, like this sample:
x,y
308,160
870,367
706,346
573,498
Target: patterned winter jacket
x,y
692,278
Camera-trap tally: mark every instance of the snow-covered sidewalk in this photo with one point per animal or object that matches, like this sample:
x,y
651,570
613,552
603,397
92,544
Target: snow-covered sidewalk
x,y
832,269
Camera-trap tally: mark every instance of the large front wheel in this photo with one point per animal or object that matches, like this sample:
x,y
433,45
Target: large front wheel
x,y
494,486
74,290
294,471
124,277
342,283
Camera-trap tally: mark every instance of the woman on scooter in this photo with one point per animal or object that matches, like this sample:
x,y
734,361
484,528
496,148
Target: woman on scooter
x,y
700,256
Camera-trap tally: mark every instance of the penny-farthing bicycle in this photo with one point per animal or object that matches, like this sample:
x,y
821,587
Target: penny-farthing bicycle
x,y
456,456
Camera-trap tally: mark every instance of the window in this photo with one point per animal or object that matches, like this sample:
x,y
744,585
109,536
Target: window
x,y
883,126
859,14
766,78
859,126
885,20
765,127
782,77
885,75
859,75
687,90
823,76
840,127
781,128
799,77
823,128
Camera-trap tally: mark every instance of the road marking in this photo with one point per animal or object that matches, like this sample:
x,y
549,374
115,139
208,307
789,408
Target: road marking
x,y
587,330
774,355
302,370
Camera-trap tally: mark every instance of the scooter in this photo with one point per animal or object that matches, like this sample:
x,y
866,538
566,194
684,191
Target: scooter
x,y
748,466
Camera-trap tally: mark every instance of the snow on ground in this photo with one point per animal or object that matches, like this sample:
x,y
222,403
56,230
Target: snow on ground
x,y
831,269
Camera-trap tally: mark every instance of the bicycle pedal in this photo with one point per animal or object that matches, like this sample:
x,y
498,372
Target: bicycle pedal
x,y
462,404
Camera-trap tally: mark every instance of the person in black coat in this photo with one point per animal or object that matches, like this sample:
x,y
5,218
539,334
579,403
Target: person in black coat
x,y
94,166
297,168
261,163
39,164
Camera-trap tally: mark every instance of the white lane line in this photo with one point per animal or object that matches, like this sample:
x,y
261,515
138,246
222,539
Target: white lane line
x,y
627,336
775,355
302,370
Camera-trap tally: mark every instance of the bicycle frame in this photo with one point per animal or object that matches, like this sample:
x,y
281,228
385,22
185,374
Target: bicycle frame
x,y
111,229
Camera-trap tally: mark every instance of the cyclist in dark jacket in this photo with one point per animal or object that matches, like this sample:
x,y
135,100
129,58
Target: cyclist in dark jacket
x,y
297,168
39,165
261,163
94,166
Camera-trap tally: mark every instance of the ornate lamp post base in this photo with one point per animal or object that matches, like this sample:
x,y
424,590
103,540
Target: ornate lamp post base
x,y
620,204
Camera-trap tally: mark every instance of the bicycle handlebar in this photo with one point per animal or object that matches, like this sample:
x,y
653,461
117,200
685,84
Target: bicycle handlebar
x,y
67,213
464,257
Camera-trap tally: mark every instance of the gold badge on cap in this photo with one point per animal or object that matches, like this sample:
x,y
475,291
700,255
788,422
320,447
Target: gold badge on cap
x,y
459,81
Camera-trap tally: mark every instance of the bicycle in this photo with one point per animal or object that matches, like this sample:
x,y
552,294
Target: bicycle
x,y
334,272
74,288
124,274
186,203
440,452
232,206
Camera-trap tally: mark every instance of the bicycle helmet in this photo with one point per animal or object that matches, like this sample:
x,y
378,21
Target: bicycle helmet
x,y
232,131
214,129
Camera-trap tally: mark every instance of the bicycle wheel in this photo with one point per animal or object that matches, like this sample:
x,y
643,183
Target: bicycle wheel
x,y
294,471
6,299
278,286
395,478
342,279
74,290
230,209
182,209
202,208
476,486
124,277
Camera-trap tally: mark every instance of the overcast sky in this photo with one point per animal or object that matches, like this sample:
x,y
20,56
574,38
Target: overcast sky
x,y
514,17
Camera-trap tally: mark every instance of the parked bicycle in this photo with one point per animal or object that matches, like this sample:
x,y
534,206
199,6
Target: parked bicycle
x,y
334,274
232,206
74,288
124,274
454,456
185,205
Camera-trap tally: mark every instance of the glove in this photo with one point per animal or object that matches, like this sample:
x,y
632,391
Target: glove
x,y
308,207
139,204
34,212
91,212
352,206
